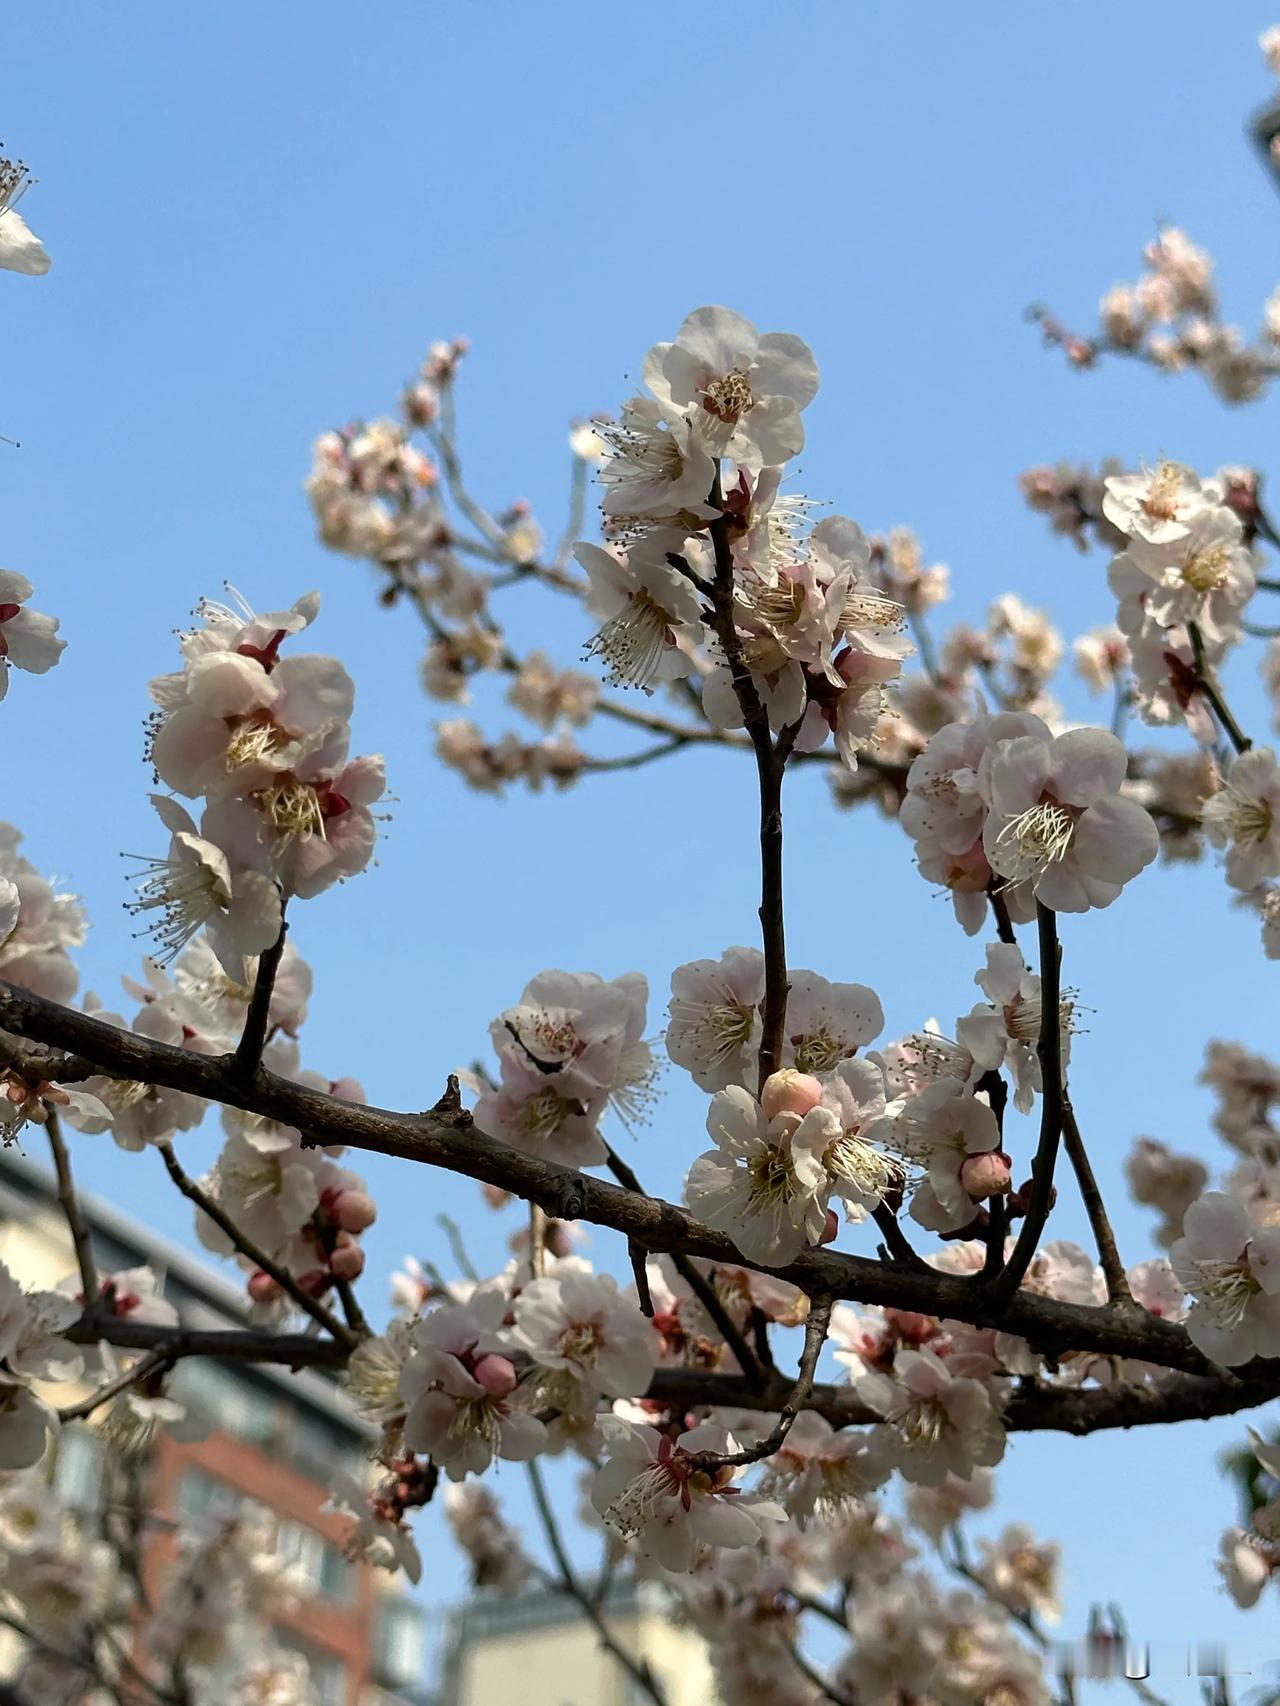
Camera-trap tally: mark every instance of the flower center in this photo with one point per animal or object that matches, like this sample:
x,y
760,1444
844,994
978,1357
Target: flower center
x,y
644,1495
1035,839
251,741
544,1114
729,397
1246,817
848,1157
773,1184
1161,502
818,1052
1206,571
580,1342
1225,1290
292,808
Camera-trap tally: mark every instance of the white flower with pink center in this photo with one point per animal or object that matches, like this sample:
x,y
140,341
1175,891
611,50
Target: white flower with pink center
x,y
28,639
714,1023
457,1383
589,1338
552,1114
653,463
1058,821
1231,1267
941,1130
828,1022
938,1424
1005,1032
764,1184
858,1170
652,1491
651,616
1244,817
1158,505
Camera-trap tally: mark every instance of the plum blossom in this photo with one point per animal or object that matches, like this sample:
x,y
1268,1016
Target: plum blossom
x,y
763,1184
1058,821
939,1424
31,1349
194,889
818,1469
652,1490
1204,577
28,639
457,1383
714,1026
1157,506
587,1339
20,249
862,1125
1022,1573
655,463
942,1129
1231,1267
650,613
1004,1031
34,946
1244,817
744,391
828,1022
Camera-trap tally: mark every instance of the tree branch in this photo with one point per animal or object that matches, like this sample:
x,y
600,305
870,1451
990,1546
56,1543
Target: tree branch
x,y
1108,1254
311,1306
72,1213
1049,1048
248,1055
449,1138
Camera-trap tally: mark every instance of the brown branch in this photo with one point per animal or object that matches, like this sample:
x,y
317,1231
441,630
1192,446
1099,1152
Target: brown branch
x,y
311,1306
1209,685
248,1055
148,1365
637,1669
1049,1048
72,1213
1031,1408
1108,1254
815,1336
449,1138
693,1277
770,765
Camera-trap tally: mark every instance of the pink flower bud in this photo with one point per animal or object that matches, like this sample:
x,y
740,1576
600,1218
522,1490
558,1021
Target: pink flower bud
x,y
347,1261
496,1375
353,1211
262,1288
986,1175
789,1092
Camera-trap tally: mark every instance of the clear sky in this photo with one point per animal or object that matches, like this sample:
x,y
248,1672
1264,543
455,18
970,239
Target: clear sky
x,y
259,217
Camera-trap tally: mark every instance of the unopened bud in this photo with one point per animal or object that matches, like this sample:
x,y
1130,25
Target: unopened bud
x,y
986,1175
347,1261
496,1375
262,1288
789,1092
353,1211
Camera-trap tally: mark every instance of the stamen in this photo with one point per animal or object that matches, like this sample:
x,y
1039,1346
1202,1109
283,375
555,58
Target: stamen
x,y
633,644
1036,839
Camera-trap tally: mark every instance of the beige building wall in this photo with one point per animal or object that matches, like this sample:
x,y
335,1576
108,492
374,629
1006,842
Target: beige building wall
x,y
563,1664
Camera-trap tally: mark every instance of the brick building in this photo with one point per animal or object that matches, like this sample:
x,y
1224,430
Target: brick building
x,y
274,1440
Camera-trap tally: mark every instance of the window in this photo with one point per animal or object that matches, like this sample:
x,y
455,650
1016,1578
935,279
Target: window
x,y
77,1473
322,1566
398,1646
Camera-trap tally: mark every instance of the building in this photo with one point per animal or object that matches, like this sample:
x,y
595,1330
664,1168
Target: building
x,y
274,1440
538,1649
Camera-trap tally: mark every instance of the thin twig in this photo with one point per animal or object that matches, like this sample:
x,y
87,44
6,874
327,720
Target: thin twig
x,y
312,1306
159,1358
69,1202
897,1244
770,765
1209,685
696,1280
815,1336
806,1670
1108,1254
253,1039
637,1669
1049,1049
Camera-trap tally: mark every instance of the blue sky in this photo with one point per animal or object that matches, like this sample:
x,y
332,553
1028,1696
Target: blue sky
x,y
259,220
